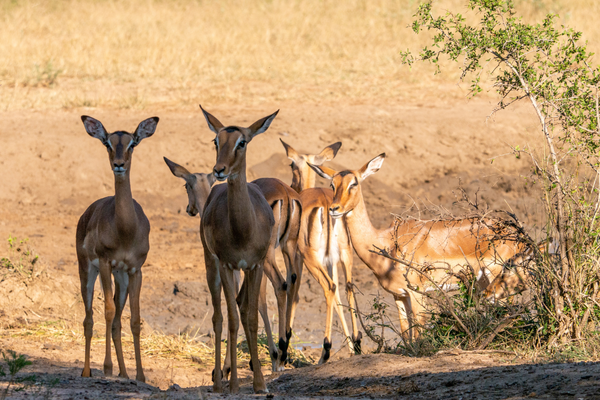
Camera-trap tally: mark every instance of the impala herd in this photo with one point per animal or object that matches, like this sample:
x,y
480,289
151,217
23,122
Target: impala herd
x,y
242,225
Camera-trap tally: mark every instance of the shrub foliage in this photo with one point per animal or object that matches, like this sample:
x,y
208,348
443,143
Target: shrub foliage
x,y
549,67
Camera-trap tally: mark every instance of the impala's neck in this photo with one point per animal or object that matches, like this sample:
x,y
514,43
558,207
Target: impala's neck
x,y
364,236
297,183
310,179
303,180
241,212
125,216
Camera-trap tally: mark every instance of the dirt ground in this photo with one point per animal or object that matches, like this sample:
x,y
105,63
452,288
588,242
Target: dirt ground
x,y
51,170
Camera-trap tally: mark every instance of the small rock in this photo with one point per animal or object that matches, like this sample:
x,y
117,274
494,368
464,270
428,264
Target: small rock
x,y
175,388
50,346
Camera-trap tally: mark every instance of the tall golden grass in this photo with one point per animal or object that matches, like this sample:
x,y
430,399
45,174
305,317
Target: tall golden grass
x,y
139,53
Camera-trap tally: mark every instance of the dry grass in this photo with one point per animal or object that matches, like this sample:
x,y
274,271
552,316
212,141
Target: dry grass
x,y
153,344
141,53
182,347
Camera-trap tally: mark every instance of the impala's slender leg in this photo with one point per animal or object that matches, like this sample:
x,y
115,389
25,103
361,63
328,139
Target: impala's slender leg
x,y
135,287
109,311
121,286
294,278
232,323
346,263
417,316
214,286
410,311
240,291
403,304
250,321
329,288
87,274
339,307
264,313
279,286
242,301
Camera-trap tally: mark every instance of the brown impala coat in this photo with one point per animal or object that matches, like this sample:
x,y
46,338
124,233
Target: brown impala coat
x,y
112,238
235,230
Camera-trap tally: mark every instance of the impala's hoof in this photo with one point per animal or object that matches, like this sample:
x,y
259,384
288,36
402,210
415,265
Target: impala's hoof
x,y
356,343
283,348
326,351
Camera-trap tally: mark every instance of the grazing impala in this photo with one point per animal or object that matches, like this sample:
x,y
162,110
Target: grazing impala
x,y
323,243
451,244
112,238
235,229
286,207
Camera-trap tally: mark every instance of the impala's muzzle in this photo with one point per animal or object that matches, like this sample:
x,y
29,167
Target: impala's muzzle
x,y
335,212
220,173
192,211
119,169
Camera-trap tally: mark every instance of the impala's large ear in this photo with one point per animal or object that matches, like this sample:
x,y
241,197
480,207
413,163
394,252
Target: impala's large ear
x,y
261,125
328,153
213,123
211,179
95,128
371,167
177,169
322,171
289,151
145,129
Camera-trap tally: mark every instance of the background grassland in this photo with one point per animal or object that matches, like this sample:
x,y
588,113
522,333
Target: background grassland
x,y
141,53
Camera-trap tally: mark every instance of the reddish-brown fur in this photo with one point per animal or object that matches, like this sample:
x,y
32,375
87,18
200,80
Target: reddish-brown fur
x,y
323,243
441,244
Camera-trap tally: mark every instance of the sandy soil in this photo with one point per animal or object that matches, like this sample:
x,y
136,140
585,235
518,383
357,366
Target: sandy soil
x,y
51,170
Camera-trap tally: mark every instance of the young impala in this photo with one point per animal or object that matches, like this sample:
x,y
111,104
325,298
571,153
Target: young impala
x,y
112,238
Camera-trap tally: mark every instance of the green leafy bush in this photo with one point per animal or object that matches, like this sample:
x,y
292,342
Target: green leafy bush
x,y
547,66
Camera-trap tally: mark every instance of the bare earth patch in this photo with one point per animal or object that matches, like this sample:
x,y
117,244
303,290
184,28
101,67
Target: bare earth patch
x,y
51,170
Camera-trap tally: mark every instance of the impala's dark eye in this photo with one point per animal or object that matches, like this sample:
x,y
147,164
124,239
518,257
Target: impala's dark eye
x,y
242,144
